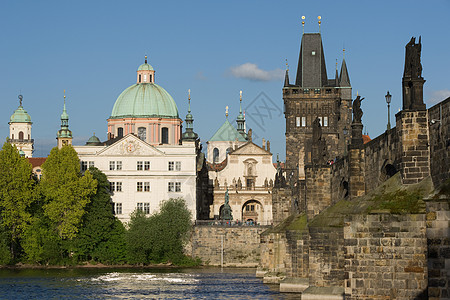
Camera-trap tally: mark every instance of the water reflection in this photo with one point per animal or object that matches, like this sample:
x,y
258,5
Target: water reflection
x,y
208,283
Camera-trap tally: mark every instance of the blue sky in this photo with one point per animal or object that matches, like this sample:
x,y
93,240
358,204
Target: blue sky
x,y
93,48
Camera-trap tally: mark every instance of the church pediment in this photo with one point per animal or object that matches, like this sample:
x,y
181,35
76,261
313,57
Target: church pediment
x,y
132,146
250,149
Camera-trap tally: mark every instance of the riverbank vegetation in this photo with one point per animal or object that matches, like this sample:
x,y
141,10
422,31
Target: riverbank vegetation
x,y
66,218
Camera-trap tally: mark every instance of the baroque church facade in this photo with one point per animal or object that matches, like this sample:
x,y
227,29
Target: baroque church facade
x,y
243,169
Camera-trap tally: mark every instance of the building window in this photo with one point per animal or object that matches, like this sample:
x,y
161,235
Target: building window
x,y
320,121
112,165
303,121
143,206
140,78
297,121
112,186
145,77
305,91
142,133
250,207
91,164
146,165
146,186
151,78
175,165
139,187
119,165
118,186
164,135
21,135
177,186
325,121
139,165
84,165
215,155
316,91
117,208
120,132
115,186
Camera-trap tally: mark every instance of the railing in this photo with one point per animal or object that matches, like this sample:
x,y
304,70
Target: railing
x,y
232,223
21,140
243,189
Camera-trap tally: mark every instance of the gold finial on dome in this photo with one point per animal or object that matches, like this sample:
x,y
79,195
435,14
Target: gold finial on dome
x,y
146,59
226,111
303,23
320,22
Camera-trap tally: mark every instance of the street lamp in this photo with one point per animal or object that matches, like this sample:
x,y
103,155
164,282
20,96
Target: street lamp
x,y
388,101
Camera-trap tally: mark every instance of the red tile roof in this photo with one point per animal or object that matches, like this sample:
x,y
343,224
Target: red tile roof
x,y
36,161
366,138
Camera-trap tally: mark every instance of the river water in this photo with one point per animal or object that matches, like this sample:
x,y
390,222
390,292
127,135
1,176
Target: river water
x,y
123,283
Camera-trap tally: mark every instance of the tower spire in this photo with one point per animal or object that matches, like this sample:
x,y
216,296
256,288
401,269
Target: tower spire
x,y
240,120
286,76
344,79
64,135
189,135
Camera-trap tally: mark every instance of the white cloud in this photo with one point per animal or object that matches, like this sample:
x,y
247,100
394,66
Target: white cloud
x,y
438,96
252,72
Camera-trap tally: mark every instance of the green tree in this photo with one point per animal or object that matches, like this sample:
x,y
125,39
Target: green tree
x,y
66,192
16,193
102,236
160,237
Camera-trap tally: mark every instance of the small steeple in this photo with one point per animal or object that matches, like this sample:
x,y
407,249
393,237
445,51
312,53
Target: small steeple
x,y
189,135
336,77
286,76
344,79
64,135
240,119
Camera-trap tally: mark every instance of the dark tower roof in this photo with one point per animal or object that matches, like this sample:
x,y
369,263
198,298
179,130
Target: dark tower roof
x,y
311,70
344,79
286,78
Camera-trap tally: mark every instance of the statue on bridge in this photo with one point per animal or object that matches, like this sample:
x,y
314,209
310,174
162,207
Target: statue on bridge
x,y
357,111
226,213
413,67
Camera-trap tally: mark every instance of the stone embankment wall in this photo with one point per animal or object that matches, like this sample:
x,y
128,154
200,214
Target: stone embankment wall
x,y
439,131
385,256
241,245
438,235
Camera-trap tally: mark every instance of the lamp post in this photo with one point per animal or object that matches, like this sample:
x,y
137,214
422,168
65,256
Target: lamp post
x,y
388,101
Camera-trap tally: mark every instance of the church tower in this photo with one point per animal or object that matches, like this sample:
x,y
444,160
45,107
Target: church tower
x,y
189,135
240,120
314,95
64,135
20,130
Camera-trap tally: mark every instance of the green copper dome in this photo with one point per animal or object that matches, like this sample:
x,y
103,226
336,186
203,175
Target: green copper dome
x,y
145,67
144,100
93,141
20,115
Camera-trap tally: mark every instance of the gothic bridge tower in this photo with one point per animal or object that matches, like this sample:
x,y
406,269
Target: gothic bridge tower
x,y
314,95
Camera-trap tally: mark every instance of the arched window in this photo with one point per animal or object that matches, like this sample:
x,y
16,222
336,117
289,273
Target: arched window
x,y
164,135
21,135
215,155
142,133
120,132
139,78
12,137
151,78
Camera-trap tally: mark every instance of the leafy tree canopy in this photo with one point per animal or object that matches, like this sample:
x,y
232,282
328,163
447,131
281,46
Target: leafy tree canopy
x,y
66,192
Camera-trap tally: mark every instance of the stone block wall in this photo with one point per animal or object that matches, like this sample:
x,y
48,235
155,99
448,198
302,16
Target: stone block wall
x,y
438,235
241,245
326,256
281,204
357,186
318,189
380,154
339,180
385,256
274,253
439,130
412,130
